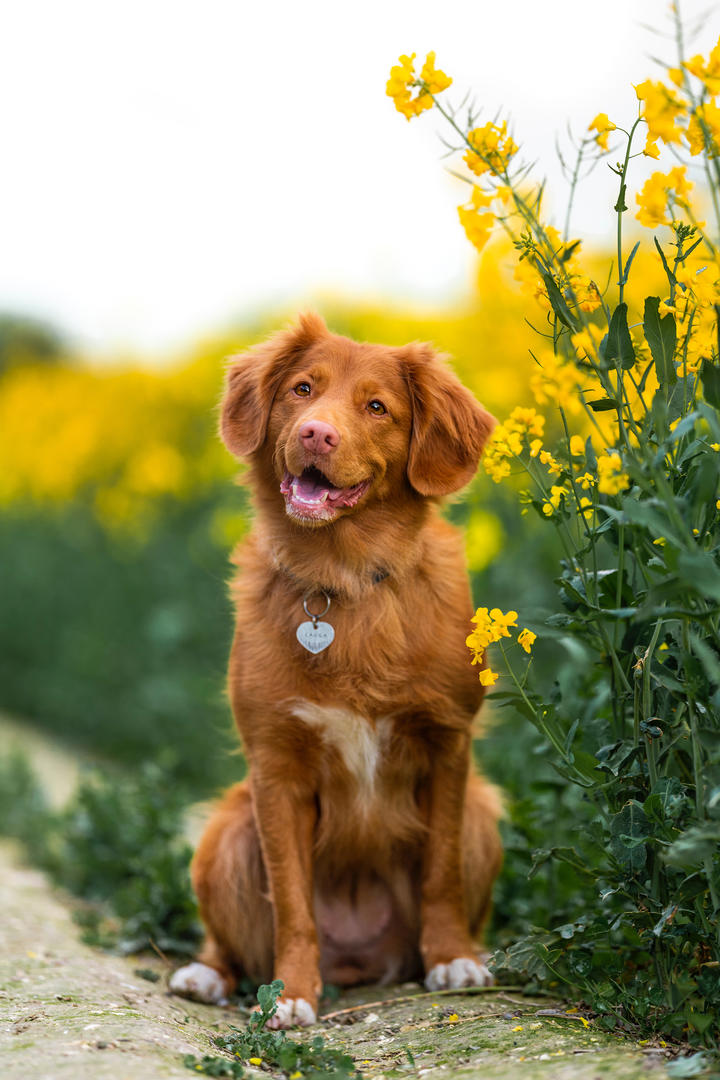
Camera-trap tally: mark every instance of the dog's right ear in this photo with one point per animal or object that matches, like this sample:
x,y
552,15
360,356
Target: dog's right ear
x,y
253,379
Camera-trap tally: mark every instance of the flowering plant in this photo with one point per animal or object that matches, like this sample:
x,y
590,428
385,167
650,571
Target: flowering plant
x,y
625,467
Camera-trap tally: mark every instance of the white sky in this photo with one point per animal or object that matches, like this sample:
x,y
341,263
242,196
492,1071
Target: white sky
x,y
171,165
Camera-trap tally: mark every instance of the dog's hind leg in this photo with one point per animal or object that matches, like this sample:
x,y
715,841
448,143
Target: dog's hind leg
x,y
482,858
231,887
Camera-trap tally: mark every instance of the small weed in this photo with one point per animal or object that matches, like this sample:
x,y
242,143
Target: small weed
x,y
312,1060
211,1065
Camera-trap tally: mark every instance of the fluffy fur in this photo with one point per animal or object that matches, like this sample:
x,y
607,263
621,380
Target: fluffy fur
x,y
362,846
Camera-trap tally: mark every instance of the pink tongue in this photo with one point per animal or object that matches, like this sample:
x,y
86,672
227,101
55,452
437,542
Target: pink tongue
x,y
309,487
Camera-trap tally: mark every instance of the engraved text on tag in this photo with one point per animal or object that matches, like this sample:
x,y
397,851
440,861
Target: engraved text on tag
x,y
315,637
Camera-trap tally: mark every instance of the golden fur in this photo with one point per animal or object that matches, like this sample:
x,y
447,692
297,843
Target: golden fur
x,y
361,846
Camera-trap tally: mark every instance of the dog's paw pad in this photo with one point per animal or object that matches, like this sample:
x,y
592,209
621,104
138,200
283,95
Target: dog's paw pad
x,y
461,972
199,982
292,1012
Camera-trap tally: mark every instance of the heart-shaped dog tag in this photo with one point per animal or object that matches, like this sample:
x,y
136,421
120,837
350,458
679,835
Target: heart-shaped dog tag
x,y
315,636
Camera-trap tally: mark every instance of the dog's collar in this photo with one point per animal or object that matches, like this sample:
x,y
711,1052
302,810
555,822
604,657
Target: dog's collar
x,y
377,576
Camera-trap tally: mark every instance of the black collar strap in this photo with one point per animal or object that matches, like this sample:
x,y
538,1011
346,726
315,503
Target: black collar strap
x,y
377,577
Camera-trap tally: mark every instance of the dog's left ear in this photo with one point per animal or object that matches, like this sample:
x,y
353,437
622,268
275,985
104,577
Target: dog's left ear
x,y
253,380
449,427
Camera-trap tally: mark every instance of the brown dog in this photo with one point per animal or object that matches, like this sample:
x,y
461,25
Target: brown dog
x,y
361,847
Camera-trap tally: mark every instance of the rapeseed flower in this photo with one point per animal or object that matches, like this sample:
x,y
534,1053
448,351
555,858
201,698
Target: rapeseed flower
x,y
662,192
703,130
403,81
603,127
708,71
611,478
477,222
556,381
526,639
491,149
662,109
558,494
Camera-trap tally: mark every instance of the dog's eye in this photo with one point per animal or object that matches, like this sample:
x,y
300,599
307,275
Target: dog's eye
x,y
302,389
376,407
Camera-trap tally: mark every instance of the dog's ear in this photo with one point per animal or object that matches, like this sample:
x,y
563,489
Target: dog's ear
x,y
449,427
253,379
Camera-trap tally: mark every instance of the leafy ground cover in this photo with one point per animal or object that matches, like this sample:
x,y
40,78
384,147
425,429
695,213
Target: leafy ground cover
x,y
73,1011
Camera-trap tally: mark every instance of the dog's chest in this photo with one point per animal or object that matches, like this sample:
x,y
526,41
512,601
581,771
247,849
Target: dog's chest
x,y
361,747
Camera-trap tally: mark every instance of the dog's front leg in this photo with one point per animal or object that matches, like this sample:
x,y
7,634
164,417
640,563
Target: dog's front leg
x,y
286,818
445,943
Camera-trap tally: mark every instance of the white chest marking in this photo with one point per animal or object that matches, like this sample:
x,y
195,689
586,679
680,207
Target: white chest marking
x,y
359,744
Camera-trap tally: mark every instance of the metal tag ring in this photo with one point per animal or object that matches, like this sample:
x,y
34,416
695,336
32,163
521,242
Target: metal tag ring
x,y
320,614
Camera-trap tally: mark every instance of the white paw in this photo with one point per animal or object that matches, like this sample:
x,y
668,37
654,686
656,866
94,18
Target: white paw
x,y
199,982
460,972
293,1012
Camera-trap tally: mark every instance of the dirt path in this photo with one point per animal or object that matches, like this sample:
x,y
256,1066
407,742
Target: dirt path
x,y
71,1011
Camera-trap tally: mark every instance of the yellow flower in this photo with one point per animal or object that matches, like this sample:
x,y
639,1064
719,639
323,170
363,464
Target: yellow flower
x,y
586,292
255,1061
488,677
453,1019
611,478
661,192
707,70
526,639
435,80
585,507
555,381
502,622
477,225
509,439
703,283
651,148
603,126
403,79
554,466
577,446
703,130
491,149
586,342
662,108
557,495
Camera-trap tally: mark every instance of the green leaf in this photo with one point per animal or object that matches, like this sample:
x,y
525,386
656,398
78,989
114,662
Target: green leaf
x,y
666,801
603,404
694,1065
700,573
628,264
557,302
694,845
619,346
710,378
628,832
670,276
661,336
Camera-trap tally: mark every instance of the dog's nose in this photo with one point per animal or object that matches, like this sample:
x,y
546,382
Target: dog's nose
x,y
319,437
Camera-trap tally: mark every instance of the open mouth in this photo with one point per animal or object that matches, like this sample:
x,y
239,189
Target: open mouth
x,y
312,495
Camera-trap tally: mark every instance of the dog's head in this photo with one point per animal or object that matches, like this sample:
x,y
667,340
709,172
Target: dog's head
x,y
343,424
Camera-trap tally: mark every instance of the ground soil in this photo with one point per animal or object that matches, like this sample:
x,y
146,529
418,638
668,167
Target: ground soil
x,y
71,1011
68,1010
